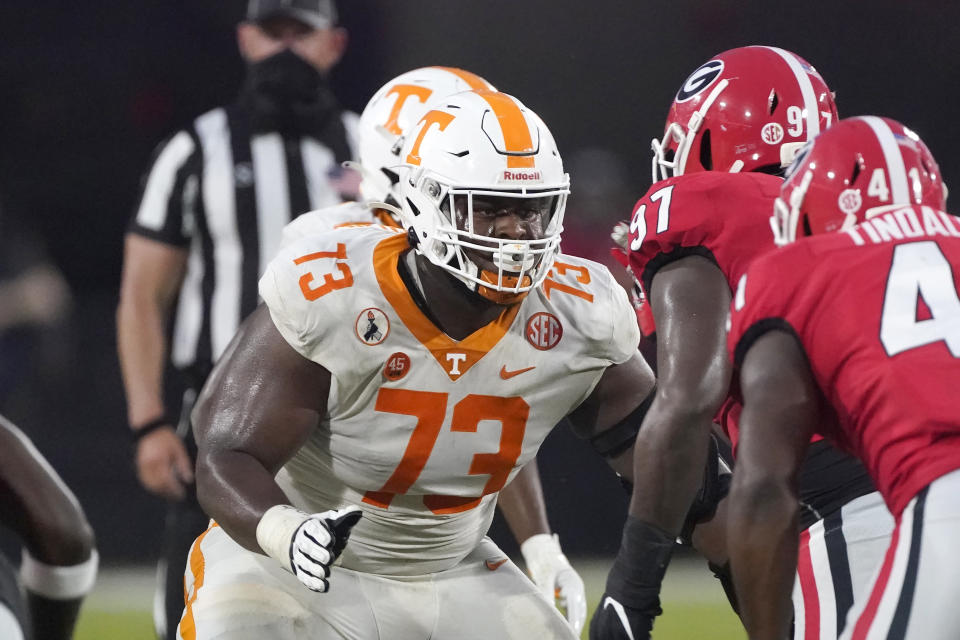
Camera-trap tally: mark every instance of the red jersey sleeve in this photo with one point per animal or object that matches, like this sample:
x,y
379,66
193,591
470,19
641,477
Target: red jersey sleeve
x,y
723,217
767,298
762,301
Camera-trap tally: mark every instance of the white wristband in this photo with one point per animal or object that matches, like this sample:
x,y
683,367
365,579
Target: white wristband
x,y
58,582
275,532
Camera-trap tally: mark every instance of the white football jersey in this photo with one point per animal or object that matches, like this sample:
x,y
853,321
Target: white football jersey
x,y
422,430
323,220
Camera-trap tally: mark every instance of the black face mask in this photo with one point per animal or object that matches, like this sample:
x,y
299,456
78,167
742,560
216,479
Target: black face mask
x,y
286,93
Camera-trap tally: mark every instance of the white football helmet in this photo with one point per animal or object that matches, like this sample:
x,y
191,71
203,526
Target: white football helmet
x,y
392,111
482,145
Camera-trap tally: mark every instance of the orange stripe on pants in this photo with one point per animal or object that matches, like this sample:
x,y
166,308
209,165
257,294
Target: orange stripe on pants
x,y
188,628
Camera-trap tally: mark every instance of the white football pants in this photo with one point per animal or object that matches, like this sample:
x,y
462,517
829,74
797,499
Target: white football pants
x,y
915,592
837,558
236,594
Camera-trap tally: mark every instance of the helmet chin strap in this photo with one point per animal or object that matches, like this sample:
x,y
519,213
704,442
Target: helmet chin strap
x,y
373,181
490,293
501,283
499,296
786,217
386,206
693,126
411,259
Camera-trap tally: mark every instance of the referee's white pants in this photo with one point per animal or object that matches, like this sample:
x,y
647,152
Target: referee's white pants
x,y
235,594
837,558
916,590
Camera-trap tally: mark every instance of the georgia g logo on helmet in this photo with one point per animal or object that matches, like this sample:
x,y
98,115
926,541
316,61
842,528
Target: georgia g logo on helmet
x,y
700,79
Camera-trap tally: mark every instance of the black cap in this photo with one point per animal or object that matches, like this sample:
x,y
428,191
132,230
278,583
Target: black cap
x,y
319,14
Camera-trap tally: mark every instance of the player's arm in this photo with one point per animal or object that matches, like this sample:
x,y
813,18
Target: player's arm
x,y
690,299
522,504
259,406
611,415
152,272
525,511
59,559
782,408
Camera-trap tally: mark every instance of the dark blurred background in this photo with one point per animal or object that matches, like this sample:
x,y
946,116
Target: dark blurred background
x,y
88,90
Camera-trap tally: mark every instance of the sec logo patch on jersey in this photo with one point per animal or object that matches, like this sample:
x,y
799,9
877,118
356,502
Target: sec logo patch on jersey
x,y
544,331
372,326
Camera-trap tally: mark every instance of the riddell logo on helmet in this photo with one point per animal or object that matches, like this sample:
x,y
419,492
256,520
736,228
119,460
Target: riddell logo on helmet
x,y
522,176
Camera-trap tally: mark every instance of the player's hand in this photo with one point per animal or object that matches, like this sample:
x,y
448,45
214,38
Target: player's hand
x,y
615,621
631,600
163,464
318,542
306,544
557,580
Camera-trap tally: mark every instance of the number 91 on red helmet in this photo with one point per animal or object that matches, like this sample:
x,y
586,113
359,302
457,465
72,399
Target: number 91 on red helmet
x,y
484,193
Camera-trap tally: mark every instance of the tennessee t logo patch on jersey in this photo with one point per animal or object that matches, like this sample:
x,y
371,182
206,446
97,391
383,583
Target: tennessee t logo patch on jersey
x,y
454,360
543,331
373,326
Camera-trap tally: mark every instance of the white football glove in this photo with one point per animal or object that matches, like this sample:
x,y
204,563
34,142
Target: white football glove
x,y
555,578
306,545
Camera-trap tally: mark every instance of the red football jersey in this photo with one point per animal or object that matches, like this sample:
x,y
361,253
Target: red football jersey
x,y
724,217
877,312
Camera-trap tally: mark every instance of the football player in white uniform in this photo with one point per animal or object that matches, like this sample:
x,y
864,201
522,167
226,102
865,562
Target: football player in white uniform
x,y
393,110
355,434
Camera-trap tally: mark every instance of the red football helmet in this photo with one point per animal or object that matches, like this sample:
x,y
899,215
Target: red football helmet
x,y
747,109
859,168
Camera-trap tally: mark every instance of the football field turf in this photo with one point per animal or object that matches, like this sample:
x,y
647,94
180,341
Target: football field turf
x,y
693,603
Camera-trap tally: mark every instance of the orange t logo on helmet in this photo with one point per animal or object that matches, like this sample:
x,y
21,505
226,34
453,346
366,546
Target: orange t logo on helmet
x,y
403,92
439,118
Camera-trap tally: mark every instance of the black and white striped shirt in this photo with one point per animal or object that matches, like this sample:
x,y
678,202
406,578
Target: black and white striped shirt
x,y
226,194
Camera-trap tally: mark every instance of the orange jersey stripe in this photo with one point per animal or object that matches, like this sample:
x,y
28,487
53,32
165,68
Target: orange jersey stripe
x,y
516,134
471,348
188,627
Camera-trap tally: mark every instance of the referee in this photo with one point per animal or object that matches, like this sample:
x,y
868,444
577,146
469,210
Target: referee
x,y
209,220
